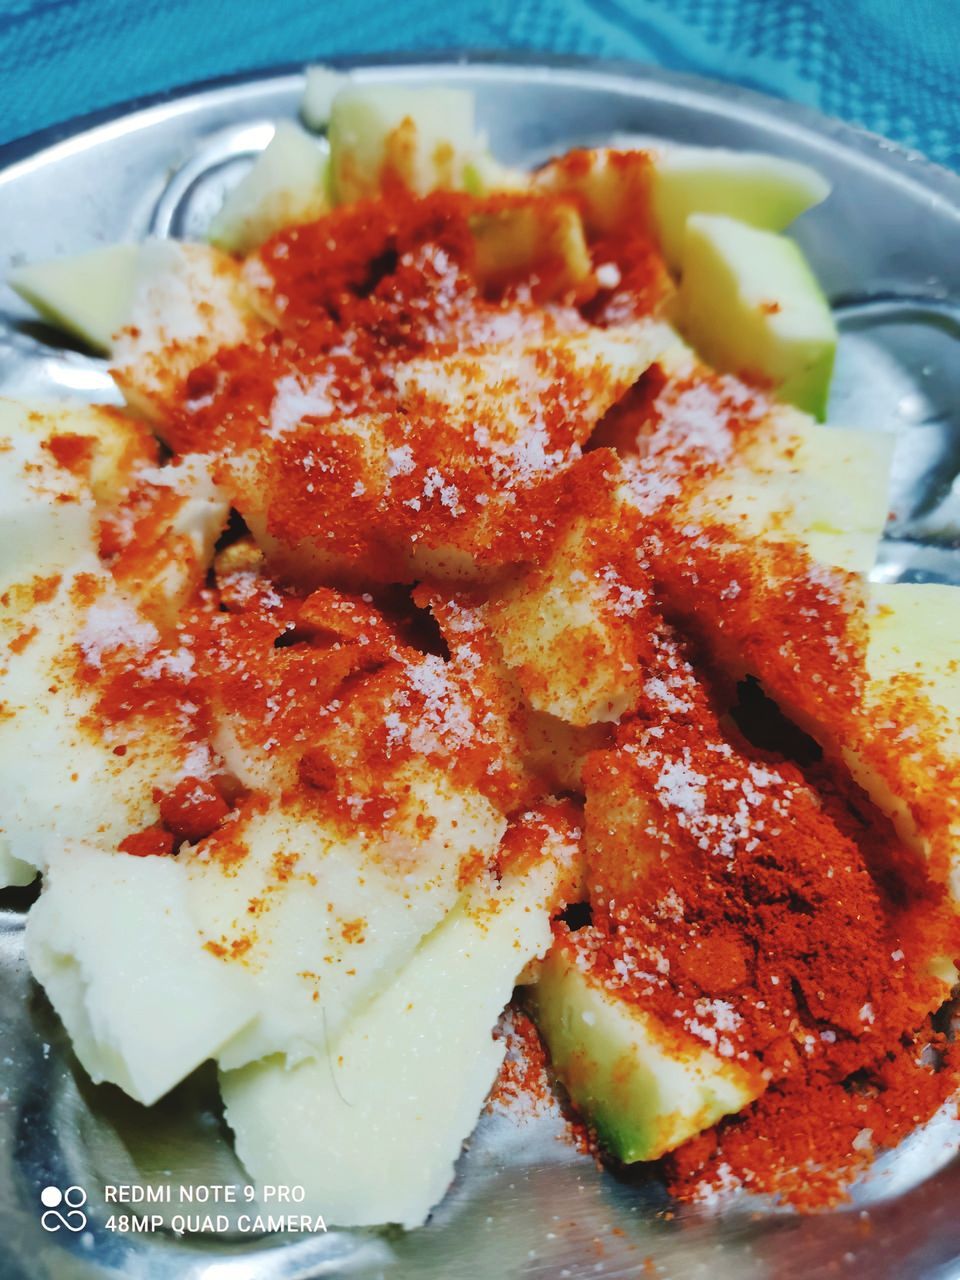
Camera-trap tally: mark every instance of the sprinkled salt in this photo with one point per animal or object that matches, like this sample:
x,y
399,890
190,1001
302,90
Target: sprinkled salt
x,y
295,400
115,625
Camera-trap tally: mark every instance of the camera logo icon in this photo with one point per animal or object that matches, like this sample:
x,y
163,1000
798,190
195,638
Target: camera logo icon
x,y
63,1208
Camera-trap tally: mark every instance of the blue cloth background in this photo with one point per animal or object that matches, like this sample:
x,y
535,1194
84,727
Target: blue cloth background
x,y
891,65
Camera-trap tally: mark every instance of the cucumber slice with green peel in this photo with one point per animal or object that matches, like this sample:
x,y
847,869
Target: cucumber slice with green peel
x,y
762,190
88,295
423,138
618,186
287,185
751,305
643,1086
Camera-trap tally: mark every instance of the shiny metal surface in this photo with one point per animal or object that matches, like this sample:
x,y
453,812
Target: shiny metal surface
x,y
525,1203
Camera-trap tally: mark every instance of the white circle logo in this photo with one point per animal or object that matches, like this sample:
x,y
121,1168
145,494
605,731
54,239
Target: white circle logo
x,y
71,1216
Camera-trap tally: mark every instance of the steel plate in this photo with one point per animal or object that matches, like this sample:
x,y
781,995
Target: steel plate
x,y
525,1203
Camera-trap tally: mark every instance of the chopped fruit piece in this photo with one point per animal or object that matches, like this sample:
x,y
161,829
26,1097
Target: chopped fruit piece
x,y
60,466
46,509
761,190
62,778
89,295
322,86
843,669
644,1086
420,139
542,240
341,908
143,1002
751,305
66,626
823,487
529,750
485,176
83,451
906,749
611,187
188,301
287,185
572,630
408,1076
665,183
161,548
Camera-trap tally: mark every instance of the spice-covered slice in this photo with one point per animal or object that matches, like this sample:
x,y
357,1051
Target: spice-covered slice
x,y
385,137
160,544
574,629
868,671
516,417
436,488
372,1128
319,914
699,447
60,467
68,631
735,910
101,720
533,753
644,1085
188,301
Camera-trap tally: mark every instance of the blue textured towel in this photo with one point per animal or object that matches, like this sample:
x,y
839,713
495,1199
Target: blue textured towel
x,y
892,65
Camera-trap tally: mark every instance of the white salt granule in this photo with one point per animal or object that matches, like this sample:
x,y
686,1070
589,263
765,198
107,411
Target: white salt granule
x,y
608,275
682,788
400,461
295,400
112,626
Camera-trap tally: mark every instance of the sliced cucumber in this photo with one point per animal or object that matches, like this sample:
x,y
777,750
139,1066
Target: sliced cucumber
x,y
751,305
645,1087
89,294
287,185
421,138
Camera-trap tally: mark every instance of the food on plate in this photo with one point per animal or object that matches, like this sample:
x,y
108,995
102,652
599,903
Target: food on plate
x,y
469,611
749,300
88,295
418,139
321,86
287,184
757,190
